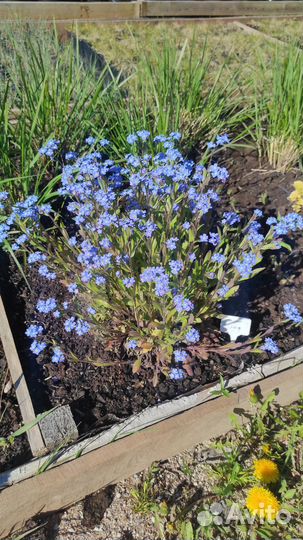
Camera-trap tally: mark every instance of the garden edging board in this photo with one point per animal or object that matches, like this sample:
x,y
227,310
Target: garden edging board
x,y
34,436
70,482
154,415
146,9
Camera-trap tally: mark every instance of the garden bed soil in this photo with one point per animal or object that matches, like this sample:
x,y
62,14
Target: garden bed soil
x,y
10,421
252,182
102,396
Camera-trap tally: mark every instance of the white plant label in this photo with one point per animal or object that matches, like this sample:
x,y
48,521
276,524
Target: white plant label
x,y
235,326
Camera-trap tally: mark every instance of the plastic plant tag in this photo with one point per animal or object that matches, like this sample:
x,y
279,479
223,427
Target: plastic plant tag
x,y
235,326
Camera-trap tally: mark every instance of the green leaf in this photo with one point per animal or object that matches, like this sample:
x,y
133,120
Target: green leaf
x,y
103,303
30,425
187,531
289,494
286,246
232,291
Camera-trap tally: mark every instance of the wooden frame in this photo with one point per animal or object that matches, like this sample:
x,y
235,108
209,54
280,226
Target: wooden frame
x,y
156,433
70,10
146,9
224,8
71,482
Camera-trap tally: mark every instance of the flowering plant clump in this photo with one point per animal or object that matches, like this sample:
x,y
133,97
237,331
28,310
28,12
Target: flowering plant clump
x,y
144,257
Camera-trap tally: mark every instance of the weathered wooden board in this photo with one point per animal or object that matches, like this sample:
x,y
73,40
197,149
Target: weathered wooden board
x,y
64,485
152,415
136,10
25,404
250,30
69,10
213,8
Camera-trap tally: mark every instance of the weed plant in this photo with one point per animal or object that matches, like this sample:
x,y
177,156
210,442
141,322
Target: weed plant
x,y
259,473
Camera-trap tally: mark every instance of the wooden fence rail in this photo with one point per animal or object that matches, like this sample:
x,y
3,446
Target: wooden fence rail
x,y
142,9
72,481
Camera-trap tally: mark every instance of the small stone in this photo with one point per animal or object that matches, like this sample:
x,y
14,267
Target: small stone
x,y
58,427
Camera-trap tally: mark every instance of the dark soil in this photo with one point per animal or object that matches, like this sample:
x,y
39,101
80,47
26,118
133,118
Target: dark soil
x,y
10,421
250,184
100,397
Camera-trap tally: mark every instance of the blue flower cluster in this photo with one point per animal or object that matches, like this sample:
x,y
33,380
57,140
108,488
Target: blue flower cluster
x,y
50,148
158,277
148,255
177,374
220,141
270,346
245,265
230,218
35,257
4,195
253,235
46,306
45,272
79,326
292,222
58,355
34,330
192,336
37,347
180,355
220,173
292,313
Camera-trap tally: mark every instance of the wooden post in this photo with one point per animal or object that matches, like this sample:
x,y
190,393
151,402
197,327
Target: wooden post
x,y
25,403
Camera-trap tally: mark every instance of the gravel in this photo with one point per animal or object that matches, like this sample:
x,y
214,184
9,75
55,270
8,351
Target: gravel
x,y
110,514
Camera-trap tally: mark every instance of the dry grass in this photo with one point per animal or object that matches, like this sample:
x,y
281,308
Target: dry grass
x,y
123,44
287,30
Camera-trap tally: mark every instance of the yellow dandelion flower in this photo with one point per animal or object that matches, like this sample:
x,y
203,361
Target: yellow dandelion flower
x,y
296,196
262,502
266,471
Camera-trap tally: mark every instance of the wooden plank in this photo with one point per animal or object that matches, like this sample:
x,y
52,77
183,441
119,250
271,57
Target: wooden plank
x,y
135,11
25,404
69,10
71,482
153,415
212,8
250,30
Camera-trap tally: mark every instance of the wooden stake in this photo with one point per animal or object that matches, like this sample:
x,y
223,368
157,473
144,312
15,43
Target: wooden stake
x,y
25,403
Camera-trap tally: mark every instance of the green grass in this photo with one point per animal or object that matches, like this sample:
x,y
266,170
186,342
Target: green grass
x,y
122,44
265,430
277,127
48,94
287,30
197,79
174,92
